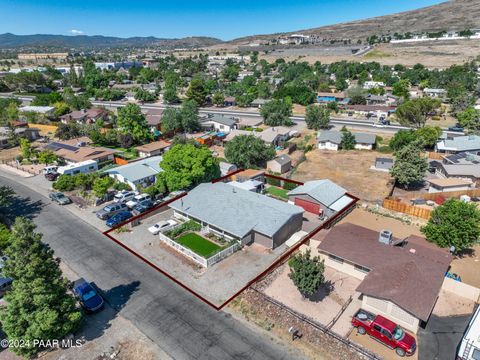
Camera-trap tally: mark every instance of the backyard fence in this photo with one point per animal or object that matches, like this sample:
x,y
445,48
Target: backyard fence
x,y
309,321
197,258
460,288
445,194
401,207
24,168
435,156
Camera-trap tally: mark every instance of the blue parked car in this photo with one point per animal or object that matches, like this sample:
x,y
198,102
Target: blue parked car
x,y
90,300
118,218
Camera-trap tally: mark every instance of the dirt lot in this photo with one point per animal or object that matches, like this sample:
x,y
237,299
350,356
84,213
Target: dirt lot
x,y
349,169
468,267
9,154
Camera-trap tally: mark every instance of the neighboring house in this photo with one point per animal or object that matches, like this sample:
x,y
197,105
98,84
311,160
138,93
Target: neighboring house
x,y
401,278
435,93
219,122
249,185
444,185
373,84
320,197
84,116
383,164
240,214
384,100
379,110
229,101
463,165
258,103
77,150
28,133
459,144
280,164
326,97
331,140
276,136
249,122
141,173
249,174
42,110
153,148
226,168
154,118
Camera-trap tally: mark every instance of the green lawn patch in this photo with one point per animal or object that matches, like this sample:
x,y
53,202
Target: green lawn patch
x,y
198,244
275,191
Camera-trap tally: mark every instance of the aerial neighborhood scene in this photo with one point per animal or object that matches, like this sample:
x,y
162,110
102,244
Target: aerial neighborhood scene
x,y
175,186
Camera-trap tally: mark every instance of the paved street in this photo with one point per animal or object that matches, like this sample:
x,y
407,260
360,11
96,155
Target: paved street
x,y
184,327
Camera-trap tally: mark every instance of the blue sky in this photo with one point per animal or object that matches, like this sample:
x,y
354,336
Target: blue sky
x,y
223,19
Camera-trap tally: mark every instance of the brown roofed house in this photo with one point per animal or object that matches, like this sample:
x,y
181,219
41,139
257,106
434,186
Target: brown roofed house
x,y
402,278
153,148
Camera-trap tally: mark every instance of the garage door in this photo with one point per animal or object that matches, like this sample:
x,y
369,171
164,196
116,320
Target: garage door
x,y
308,206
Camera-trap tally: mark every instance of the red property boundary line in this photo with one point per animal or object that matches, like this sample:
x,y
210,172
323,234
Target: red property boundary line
x,y
254,280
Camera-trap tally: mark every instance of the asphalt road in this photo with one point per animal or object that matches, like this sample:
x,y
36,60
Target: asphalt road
x,y
183,326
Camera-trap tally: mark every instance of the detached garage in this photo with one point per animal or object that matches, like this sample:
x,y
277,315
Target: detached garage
x,y
320,197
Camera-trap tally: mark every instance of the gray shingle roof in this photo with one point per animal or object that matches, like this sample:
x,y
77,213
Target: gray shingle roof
x,y
139,170
235,210
283,159
324,191
221,119
461,143
336,137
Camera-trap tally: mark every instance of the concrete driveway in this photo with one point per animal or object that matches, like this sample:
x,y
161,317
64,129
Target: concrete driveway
x,y
439,340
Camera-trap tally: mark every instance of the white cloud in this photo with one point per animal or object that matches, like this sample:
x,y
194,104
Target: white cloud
x,y
76,32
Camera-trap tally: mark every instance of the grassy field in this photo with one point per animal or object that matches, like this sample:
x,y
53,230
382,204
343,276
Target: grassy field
x,y
276,191
198,244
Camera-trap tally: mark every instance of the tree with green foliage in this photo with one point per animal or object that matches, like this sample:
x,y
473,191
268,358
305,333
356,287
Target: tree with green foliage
x,y
307,273
47,157
6,196
12,111
454,223
410,165
469,119
297,91
415,112
196,91
5,237
171,120
429,135
68,131
38,307
26,148
348,140
187,165
402,88
145,95
189,115
277,112
230,72
131,120
248,151
101,185
401,139
317,117
218,99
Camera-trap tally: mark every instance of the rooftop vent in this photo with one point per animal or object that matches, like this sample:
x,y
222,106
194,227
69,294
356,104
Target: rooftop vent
x,y
385,237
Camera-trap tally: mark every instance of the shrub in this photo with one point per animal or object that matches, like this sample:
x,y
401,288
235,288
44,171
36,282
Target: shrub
x,y
121,186
190,225
273,181
64,183
289,185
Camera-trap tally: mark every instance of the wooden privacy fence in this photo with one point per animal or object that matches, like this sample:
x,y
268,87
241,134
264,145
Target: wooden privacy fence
x,y
401,207
435,155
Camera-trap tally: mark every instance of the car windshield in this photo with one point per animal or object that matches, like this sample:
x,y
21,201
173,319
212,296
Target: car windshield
x,y
89,295
398,333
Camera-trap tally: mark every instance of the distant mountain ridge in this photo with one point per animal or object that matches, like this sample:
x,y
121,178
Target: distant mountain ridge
x,y
66,42
449,15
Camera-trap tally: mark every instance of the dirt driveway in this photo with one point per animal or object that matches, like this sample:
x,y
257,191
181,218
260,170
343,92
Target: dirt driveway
x,y
349,169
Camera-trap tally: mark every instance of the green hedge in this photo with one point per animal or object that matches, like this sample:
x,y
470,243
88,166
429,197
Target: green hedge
x,y
272,181
289,185
186,226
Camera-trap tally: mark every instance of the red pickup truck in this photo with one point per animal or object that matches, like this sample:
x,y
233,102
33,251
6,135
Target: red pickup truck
x,y
385,331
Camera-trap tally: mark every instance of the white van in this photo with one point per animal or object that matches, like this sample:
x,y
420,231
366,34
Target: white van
x,y
124,196
50,169
138,198
470,346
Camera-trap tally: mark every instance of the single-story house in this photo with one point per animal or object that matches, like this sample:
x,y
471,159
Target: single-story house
x,y
77,150
226,168
443,185
85,116
249,174
331,140
321,197
29,133
219,122
153,148
249,122
384,164
138,173
326,97
401,278
459,144
379,110
42,110
276,135
385,100
280,165
458,171
435,93
250,185
154,118
229,101
240,214
258,103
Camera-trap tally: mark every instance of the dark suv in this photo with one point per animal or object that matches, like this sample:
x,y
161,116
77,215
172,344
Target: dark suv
x,y
111,209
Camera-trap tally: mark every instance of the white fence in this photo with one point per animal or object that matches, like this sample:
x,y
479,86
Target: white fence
x,y
197,258
462,289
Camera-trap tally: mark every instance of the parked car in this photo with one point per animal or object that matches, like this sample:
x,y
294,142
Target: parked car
x,y
384,331
110,210
143,206
50,169
456,128
124,196
88,297
384,122
162,226
118,218
137,199
59,198
51,176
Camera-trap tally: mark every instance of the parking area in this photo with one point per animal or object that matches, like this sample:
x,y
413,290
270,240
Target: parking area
x,y
216,283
